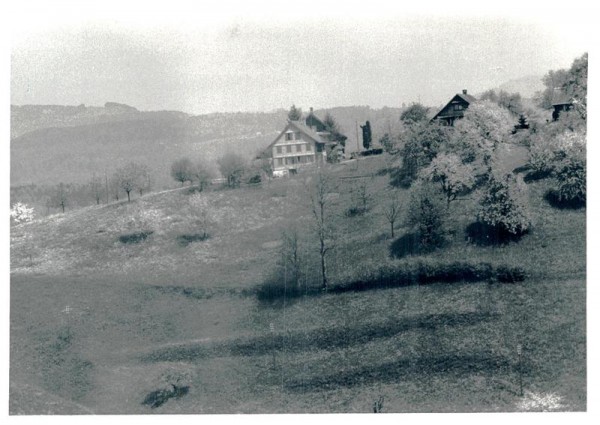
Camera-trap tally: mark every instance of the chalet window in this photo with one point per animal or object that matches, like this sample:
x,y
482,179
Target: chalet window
x,y
289,136
298,148
288,148
309,158
279,149
298,136
279,161
457,107
308,147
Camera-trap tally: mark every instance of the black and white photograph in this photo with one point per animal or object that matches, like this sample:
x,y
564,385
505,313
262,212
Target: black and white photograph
x,y
308,208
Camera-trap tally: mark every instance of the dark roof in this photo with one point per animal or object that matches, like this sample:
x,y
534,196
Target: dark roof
x,y
465,97
562,100
300,127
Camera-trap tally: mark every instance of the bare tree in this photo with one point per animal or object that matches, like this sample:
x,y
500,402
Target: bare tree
x,y
145,180
201,173
128,178
392,212
95,187
232,166
59,199
290,256
181,170
320,200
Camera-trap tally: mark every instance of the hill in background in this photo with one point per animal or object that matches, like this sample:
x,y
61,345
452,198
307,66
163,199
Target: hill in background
x,y
53,144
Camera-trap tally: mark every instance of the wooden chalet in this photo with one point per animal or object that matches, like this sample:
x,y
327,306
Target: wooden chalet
x,y
454,109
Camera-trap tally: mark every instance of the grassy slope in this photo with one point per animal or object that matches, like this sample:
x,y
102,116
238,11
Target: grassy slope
x,y
137,311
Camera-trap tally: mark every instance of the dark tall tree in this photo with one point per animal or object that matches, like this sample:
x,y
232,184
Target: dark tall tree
x,y
295,114
366,133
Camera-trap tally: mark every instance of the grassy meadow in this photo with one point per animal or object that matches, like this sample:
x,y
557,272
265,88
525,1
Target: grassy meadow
x,y
98,324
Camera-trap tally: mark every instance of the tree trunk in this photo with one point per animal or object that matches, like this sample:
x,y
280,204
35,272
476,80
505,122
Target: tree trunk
x,y
392,226
128,198
323,266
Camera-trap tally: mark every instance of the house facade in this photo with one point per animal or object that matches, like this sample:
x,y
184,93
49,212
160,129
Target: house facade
x,y
455,109
302,144
297,146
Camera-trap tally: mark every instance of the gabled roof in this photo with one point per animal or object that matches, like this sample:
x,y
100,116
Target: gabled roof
x,y
562,100
462,96
299,127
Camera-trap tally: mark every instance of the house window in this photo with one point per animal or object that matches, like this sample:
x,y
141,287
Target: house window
x,y
289,136
279,149
308,147
288,148
457,107
298,148
279,161
309,158
298,136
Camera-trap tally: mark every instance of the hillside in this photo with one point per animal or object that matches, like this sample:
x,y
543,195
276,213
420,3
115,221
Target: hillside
x,y
53,144
102,324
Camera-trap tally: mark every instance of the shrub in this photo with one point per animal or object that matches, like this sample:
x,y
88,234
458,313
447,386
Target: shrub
x,y
427,213
185,240
570,175
21,213
504,205
137,237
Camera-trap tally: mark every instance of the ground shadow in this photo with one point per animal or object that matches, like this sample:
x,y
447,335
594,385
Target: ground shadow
x,y
318,339
408,244
456,365
555,201
483,234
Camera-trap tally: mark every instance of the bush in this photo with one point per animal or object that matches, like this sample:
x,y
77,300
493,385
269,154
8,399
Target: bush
x,y
136,237
570,175
185,240
483,234
504,205
427,214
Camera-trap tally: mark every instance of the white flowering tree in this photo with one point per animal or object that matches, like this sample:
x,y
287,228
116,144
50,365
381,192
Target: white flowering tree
x,y
453,176
21,213
484,126
504,204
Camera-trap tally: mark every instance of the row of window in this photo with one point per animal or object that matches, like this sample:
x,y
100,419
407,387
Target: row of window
x,y
294,160
293,136
288,148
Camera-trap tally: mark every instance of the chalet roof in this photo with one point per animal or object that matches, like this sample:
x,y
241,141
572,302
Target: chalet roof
x,y
562,99
300,127
463,96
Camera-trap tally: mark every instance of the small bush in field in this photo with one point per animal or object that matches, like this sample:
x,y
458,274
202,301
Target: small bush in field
x,y
185,240
133,238
504,205
507,274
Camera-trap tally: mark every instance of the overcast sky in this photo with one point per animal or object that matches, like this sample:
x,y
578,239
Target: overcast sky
x,y
231,63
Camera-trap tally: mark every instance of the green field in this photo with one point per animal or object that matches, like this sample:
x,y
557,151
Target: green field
x,y
97,325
